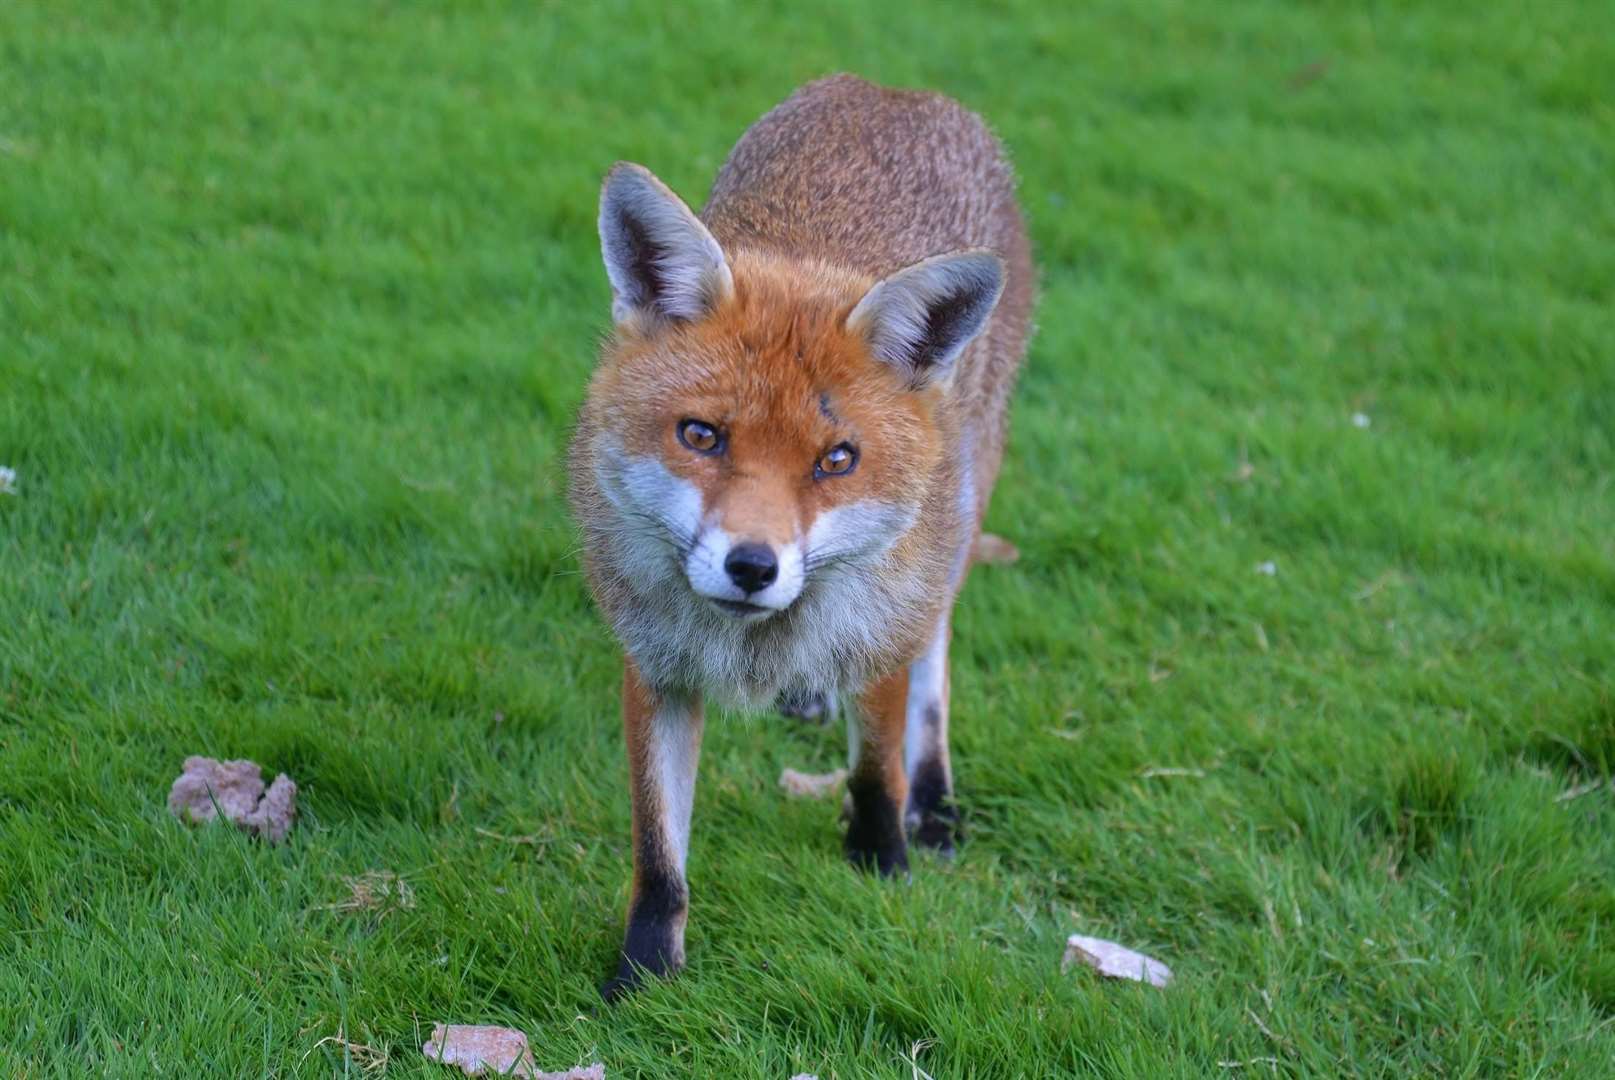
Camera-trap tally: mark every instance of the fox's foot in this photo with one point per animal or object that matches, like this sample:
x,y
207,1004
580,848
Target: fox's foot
x,y
654,943
632,975
809,705
875,838
940,831
620,985
933,817
885,856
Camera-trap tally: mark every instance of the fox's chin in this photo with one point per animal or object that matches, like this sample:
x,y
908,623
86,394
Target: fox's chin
x,y
741,609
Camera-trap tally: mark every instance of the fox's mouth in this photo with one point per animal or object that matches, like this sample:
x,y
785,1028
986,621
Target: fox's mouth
x,y
741,608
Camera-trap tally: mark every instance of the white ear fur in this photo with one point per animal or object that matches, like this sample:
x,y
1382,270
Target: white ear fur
x,y
921,318
660,258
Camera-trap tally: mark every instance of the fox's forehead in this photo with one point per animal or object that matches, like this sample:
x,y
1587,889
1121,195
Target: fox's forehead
x,y
786,391
790,368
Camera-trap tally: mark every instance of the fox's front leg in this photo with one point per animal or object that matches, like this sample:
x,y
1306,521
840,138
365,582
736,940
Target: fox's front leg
x,y
877,785
663,734
931,818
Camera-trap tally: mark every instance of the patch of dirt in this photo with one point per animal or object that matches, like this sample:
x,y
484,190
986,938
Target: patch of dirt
x,y
376,892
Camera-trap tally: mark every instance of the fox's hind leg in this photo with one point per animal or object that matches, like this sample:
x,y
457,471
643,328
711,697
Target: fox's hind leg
x,y
802,704
664,745
931,818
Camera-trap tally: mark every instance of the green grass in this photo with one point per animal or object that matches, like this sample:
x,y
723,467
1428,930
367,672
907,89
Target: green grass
x,y
297,301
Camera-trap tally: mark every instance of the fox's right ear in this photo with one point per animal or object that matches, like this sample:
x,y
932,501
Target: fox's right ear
x,y
661,260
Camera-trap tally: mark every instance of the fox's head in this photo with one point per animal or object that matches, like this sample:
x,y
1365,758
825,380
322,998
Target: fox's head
x,y
759,421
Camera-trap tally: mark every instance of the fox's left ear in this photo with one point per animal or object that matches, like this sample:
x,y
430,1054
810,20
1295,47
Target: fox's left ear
x,y
921,318
661,260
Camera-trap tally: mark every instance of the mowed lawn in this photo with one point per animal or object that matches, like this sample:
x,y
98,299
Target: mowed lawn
x,y
1305,682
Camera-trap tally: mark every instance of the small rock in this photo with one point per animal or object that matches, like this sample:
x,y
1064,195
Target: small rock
x,y
800,785
235,788
1269,568
1113,960
477,1049
1360,420
8,480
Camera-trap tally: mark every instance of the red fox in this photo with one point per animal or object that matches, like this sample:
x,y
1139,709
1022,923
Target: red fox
x,y
786,451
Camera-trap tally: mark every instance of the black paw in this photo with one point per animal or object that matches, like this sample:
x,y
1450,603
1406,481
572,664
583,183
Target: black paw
x,y
939,831
809,705
632,977
886,859
933,818
654,943
875,838
620,985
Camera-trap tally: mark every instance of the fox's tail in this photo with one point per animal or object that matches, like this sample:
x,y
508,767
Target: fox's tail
x,y
991,549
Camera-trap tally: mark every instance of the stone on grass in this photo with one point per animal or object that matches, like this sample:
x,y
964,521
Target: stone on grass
x,y
1113,960
208,788
800,785
502,1051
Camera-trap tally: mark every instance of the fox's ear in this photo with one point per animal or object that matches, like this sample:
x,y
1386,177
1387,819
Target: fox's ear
x,y
661,260
921,318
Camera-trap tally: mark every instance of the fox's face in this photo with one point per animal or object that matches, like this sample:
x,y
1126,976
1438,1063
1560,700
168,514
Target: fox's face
x,y
759,430
763,454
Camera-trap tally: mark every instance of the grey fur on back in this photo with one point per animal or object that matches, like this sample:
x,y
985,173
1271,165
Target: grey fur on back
x,y
866,177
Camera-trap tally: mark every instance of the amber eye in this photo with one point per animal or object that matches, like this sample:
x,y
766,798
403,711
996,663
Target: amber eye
x,y
699,437
837,461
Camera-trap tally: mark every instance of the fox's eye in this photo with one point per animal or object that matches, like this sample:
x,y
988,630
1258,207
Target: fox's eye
x,y
698,436
837,461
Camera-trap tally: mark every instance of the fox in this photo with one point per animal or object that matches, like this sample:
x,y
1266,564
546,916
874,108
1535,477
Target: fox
x,y
785,452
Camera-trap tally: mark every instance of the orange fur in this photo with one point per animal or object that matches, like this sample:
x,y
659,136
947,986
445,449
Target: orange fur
x,y
835,190
760,364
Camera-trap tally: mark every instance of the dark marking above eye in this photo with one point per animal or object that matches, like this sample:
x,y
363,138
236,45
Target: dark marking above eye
x,y
824,407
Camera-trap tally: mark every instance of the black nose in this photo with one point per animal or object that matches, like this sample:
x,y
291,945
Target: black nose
x,y
752,566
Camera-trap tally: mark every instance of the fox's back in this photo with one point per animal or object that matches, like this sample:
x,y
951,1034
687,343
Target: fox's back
x,y
874,179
